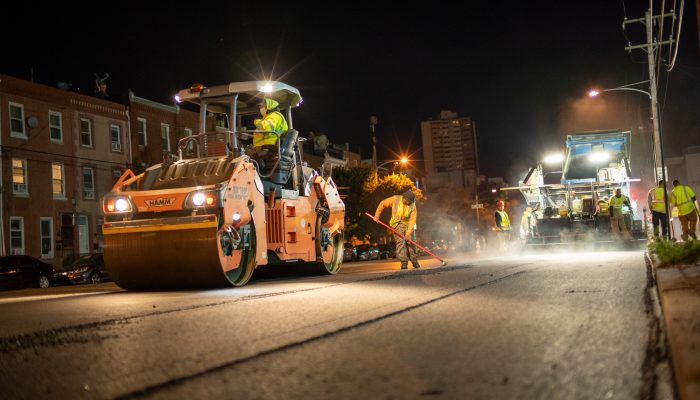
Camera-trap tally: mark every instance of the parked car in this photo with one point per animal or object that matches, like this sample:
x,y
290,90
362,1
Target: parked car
x,y
86,269
19,271
367,252
387,251
349,252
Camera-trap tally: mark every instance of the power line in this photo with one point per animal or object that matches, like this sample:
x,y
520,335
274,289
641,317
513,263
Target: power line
x,y
678,37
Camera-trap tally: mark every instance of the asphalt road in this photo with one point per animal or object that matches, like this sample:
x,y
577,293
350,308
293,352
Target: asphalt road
x,y
546,326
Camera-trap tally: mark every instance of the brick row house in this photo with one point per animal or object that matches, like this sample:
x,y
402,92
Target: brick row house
x,y
156,129
62,151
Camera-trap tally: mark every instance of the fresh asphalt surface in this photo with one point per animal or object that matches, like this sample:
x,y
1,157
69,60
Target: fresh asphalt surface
x,y
565,326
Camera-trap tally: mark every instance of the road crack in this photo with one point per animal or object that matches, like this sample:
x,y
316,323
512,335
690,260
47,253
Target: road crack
x,y
186,378
96,332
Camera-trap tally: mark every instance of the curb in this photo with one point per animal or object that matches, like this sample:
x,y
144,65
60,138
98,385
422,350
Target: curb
x,y
679,294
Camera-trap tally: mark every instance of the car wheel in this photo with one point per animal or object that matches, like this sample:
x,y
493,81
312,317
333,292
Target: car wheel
x,y
95,278
44,282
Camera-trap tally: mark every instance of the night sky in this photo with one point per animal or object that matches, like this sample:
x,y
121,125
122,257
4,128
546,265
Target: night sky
x,y
519,69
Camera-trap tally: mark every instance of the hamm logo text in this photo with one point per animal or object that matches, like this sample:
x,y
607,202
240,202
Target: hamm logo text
x,y
160,202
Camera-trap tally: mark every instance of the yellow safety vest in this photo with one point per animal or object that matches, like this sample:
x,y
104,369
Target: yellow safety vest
x,y
616,204
274,122
658,203
505,221
682,197
604,207
400,213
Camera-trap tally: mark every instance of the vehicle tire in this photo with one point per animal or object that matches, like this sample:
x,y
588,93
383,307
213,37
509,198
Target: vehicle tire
x,y
329,255
43,282
95,277
241,275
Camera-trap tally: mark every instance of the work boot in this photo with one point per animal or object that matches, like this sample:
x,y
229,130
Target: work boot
x,y
692,235
416,265
404,265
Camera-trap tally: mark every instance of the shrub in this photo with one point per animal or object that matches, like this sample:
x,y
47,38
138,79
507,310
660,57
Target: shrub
x,y
670,253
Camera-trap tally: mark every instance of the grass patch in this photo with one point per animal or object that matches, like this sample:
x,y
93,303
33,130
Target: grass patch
x,y
670,253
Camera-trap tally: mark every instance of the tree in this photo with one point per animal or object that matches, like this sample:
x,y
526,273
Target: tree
x,y
362,191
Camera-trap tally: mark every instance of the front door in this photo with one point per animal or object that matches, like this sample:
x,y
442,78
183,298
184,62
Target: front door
x,y
83,235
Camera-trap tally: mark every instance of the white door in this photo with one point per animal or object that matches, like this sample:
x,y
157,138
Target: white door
x,y
83,234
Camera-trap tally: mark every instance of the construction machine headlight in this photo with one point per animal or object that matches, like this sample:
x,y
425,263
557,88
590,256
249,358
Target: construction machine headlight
x,y
202,199
198,199
117,204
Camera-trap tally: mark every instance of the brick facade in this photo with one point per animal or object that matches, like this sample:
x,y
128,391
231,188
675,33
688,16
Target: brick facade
x,y
63,164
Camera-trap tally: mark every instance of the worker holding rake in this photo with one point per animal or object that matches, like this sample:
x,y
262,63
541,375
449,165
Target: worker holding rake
x,y
403,221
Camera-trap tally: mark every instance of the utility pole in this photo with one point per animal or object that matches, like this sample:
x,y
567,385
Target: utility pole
x,y
651,46
372,126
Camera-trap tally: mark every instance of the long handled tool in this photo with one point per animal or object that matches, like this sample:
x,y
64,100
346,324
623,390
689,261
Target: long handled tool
x,y
407,239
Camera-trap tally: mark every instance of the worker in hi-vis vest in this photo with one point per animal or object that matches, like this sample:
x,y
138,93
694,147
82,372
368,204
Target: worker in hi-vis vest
x,y
617,216
683,197
503,227
269,127
403,220
656,201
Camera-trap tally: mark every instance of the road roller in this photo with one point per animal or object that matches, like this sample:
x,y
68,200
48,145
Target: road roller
x,y
208,218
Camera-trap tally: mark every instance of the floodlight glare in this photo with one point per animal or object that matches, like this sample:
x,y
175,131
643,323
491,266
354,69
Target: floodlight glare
x,y
598,156
266,88
553,158
593,93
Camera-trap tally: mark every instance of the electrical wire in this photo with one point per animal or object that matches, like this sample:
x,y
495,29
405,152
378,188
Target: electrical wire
x,y
678,37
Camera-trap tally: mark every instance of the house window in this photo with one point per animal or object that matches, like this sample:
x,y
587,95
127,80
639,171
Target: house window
x,y
85,132
58,181
17,121
55,127
46,229
165,135
88,184
115,133
16,235
19,176
141,129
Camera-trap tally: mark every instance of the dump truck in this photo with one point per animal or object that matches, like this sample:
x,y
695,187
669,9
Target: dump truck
x,y
569,195
209,220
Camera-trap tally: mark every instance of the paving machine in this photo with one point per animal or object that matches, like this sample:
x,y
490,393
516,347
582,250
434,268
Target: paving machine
x,y
569,196
210,220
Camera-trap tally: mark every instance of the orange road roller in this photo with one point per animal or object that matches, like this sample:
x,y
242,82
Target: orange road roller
x,y
213,213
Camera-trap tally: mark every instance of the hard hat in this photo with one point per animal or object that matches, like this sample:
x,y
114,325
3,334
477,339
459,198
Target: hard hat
x,y
270,104
409,196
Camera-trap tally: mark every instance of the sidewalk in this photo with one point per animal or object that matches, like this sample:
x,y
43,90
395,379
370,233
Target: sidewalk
x,y
679,294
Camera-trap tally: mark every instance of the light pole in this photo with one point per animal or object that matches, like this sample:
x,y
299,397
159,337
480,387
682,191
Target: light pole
x,y
373,126
658,142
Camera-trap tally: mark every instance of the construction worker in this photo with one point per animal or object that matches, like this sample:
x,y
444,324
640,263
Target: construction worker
x,y
274,124
617,217
503,227
656,201
403,219
683,197
272,121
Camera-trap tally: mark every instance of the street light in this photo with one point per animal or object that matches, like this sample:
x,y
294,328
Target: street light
x,y
403,161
